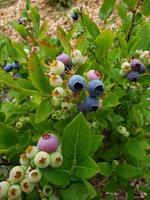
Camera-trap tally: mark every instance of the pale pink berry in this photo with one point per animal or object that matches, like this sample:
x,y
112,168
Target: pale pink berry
x,y
57,67
42,159
14,192
4,187
34,176
56,159
26,186
93,75
31,151
48,143
16,174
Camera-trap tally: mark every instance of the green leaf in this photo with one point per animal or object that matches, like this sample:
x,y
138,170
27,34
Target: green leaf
x,y
35,17
113,97
90,26
103,43
75,191
146,7
131,3
43,110
56,176
106,9
8,138
37,76
96,143
105,168
144,35
20,29
64,40
136,148
86,169
128,171
90,188
77,139
22,85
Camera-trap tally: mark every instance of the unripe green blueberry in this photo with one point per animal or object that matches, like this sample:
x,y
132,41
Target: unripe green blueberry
x,y
55,80
31,151
47,190
56,101
24,160
58,92
34,176
77,57
122,73
66,105
16,174
14,192
42,159
56,159
57,67
126,67
26,186
4,187
19,125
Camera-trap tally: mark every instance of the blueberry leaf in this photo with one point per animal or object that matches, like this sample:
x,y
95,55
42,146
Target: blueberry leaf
x,y
77,140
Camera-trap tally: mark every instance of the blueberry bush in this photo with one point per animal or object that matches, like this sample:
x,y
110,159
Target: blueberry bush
x,y
75,108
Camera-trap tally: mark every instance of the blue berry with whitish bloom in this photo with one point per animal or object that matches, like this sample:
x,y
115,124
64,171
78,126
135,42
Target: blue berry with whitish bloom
x,y
16,65
133,76
8,67
95,88
76,83
90,104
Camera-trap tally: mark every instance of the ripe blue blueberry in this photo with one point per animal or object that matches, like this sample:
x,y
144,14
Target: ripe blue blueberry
x,y
133,76
21,20
74,15
8,67
135,64
90,104
95,88
16,65
76,83
142,69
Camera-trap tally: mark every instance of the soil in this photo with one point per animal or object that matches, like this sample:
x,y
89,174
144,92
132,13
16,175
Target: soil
x,y
54,15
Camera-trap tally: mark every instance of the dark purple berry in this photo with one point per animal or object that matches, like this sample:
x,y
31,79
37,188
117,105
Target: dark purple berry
x,y
142,69
74,15
135,64
133,76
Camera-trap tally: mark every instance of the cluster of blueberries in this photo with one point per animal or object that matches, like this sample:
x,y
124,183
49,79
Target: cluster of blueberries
x,y
132,70
8,67
95,89
24,177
